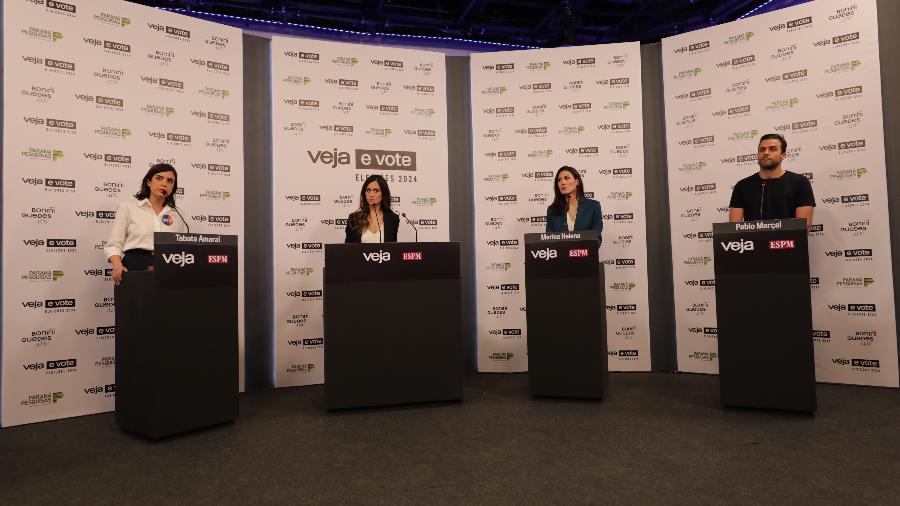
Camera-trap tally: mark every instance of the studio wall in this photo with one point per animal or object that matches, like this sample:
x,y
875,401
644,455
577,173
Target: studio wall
x,y
94,94
812,74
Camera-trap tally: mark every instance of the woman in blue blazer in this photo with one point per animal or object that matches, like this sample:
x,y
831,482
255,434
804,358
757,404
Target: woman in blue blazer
x,y
571,211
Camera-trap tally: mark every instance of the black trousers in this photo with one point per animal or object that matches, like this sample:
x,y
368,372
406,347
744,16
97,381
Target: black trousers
x,y
137,259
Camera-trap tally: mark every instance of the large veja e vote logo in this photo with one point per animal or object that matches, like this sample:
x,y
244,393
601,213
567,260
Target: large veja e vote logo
x,y
366,159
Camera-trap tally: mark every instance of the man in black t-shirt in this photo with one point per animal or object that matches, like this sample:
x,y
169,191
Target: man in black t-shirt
x,y
773,193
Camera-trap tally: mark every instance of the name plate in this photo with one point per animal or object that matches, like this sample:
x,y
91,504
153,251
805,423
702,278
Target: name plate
x,y
181,239
583,235
760,226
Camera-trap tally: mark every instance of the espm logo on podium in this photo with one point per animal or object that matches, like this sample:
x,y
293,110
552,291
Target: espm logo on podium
x,y
782,244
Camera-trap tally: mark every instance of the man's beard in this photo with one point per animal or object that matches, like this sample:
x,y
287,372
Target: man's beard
x,y
771,165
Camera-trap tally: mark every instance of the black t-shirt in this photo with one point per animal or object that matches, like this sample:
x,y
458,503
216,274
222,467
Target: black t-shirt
x,y
780,198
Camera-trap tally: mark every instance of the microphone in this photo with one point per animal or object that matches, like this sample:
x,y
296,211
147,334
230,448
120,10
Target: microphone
x,y
761,197
182,220
412,225
377,221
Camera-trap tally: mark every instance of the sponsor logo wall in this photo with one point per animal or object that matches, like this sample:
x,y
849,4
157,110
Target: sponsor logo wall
x,y
533,112
342,112
810,73
96,92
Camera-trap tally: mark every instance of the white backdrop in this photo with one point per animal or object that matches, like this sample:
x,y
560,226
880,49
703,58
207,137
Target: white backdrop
x,y
811,73
331,102
533,112
94,93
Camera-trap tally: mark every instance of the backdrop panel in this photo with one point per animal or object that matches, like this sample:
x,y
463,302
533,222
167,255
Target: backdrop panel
x,y
811,73
533,112
94,93
340,113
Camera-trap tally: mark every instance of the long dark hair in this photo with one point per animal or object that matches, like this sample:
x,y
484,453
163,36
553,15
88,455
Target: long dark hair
x,y
145,183
559,200
359,220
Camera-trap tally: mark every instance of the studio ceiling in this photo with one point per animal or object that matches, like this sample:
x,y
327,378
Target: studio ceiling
x,y
524,22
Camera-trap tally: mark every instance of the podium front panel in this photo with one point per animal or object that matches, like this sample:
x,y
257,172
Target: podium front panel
x,y
566,316
393,331
764,315
177,340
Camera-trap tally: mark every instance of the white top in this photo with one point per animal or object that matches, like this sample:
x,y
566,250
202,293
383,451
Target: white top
x,y
369,236
571,221
135,224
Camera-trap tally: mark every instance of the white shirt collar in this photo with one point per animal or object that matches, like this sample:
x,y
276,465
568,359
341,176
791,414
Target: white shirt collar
x,y
146,203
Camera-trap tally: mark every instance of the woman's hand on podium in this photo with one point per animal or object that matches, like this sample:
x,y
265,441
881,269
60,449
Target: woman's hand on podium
x,y
118,268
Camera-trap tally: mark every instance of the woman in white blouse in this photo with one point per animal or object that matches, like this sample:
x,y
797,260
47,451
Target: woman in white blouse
x,y
373,221
130,246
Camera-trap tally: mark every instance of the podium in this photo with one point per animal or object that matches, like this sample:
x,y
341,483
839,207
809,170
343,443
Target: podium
x,y
764,315
566,317
177,338
393,332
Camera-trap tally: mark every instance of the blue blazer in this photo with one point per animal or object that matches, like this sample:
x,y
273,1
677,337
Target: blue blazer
x,y
589,217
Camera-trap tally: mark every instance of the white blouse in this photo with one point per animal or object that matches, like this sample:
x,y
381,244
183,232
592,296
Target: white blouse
x,y
571,221
373,237
135,224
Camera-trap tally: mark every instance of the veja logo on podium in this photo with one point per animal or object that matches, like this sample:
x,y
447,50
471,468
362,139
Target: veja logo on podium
x,y
377,256
739,246
544,254
180,259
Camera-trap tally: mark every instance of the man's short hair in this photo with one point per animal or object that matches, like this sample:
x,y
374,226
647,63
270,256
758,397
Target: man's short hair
x,y
778,137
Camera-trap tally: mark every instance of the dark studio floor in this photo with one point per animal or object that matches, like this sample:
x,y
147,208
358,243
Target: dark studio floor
x,y
660,438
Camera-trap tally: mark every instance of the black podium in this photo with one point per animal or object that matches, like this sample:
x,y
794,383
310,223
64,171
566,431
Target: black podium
x,y
764,315
566,301
177,339
392,324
